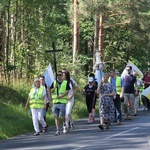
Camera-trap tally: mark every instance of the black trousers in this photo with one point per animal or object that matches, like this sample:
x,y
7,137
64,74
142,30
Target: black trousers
x,y
117,103
146,102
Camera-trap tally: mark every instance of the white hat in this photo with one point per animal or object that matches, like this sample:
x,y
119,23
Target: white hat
x,y
35,80
90,79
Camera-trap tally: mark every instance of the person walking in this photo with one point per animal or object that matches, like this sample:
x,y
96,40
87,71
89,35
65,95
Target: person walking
x,y
37,102
117,83
71,100
137,97
106,104
76,87
48,94
146,82
89,91
60,99
130,89
95,83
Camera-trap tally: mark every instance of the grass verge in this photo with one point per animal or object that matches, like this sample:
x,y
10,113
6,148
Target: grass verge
x,y
14,120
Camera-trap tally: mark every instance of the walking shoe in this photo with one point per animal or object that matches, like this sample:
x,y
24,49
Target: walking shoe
x,y
118,123
135,114
89,121
92,119
36,133
129,117
44,130
57,132
64,129
101,127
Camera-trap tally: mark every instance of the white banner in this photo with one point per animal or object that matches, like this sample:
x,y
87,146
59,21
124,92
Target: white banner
x,y
146,92
99,75
134,68
49,76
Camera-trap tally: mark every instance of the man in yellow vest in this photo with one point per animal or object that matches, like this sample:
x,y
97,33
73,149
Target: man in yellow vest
x,y
37,102
59,100
117,83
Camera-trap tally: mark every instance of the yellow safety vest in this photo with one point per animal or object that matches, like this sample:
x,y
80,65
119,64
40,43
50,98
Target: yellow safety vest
x,y
36,100
141,88
61,90
118,84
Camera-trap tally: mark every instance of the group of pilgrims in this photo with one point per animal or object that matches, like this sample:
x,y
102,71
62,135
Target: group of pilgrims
x,y
115,95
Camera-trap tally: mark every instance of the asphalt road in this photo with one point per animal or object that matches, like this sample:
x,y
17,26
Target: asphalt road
x,y
131,135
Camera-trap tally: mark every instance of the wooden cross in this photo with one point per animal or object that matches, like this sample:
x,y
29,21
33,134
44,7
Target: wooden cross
x,y
55,62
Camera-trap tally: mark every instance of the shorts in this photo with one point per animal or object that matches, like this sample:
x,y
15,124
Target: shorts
x,y
59,109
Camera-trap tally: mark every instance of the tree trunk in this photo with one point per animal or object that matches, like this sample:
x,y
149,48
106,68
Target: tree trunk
x,y
75,31
1,45
96,34
14,26
7,43
101,37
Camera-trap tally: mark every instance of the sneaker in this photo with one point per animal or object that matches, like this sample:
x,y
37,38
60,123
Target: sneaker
x,y
118,123
36,133
89,121
57,132
65,129
101,127
129,117
44,130
144,108
135,114
92,119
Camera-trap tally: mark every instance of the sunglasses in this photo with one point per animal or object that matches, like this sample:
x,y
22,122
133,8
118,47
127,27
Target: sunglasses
x,y
127,69
59,74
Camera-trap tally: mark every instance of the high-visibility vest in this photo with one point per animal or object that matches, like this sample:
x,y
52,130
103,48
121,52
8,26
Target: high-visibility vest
x,y
141,88
61,90
118,84
36,100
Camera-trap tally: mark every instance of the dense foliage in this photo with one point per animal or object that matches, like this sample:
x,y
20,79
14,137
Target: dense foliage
x,y
28,28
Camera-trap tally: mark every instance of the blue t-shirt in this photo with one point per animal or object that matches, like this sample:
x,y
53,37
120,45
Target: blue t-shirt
x,y
128,83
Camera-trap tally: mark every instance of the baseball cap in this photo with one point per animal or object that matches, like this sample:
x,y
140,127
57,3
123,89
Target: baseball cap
x,y
90,79
35,80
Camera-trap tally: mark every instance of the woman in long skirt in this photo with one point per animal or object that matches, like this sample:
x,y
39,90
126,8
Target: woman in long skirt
x,y
106,105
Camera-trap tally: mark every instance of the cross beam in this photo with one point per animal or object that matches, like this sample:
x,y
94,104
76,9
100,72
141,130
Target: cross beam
x,y
54,51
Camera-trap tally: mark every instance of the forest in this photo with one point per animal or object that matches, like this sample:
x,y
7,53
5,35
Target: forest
x,y
118,29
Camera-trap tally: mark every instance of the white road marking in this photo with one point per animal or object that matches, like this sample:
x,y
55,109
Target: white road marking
x,y
121,133
79,148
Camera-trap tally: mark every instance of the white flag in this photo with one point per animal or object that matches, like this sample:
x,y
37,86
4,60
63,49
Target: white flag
x,y
49,76
146,92
99,75
134,68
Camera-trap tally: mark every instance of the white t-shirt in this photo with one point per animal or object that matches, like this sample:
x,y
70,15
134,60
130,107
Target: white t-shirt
x,y
72,82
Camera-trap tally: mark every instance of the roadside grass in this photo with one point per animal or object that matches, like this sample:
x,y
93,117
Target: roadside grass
x,y
15,120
